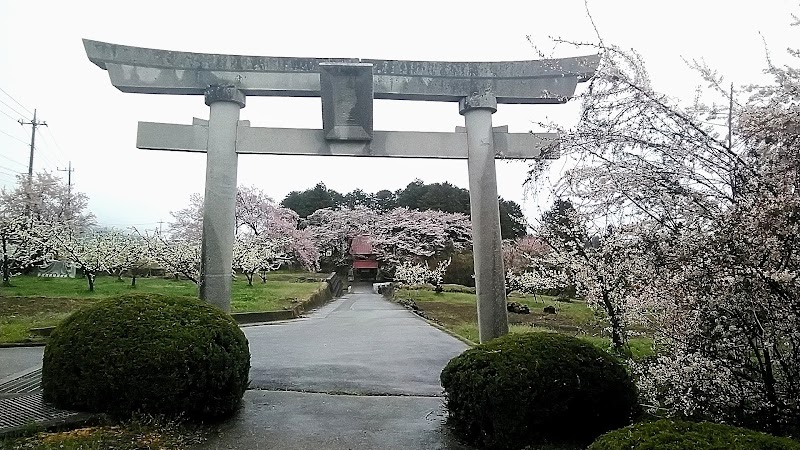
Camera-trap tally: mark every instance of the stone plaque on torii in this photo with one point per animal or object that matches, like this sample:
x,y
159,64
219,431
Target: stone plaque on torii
x,y
347,88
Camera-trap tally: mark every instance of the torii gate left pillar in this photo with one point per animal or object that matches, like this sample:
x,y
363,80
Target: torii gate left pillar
x,y
219,222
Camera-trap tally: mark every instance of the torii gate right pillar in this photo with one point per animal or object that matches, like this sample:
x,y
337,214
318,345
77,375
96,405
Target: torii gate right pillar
x,y
490,285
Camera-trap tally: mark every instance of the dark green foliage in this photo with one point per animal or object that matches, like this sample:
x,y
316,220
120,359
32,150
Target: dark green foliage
x,y
461,270
147,353
449,198
512,221
536,388
306,202
417,195
676,435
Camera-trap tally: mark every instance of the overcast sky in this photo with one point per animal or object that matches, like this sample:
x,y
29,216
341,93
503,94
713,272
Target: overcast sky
x,y
43,65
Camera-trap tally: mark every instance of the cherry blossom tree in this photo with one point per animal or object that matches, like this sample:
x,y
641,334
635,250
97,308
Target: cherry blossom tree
x,y
334,229
23,244
518,253
177,255
92,252
695,210
598,264
47,199
28,213
411,273
399,235
131,255
254,254
188,222
411,235
256,215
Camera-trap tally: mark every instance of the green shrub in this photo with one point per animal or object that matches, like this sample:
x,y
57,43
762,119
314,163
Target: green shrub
x,y
147,353
536,388
676,435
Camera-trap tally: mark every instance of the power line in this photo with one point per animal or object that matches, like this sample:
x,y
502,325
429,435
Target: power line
x,y
50,148
13,137
9,168
44,149
12,108
7,115
15,101
14,161
50,136
47,162
9,173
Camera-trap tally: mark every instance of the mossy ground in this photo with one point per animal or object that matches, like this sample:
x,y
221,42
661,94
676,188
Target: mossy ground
x,y
137,434
678,435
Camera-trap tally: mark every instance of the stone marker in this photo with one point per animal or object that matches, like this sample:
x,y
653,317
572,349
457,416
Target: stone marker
x,y
347,87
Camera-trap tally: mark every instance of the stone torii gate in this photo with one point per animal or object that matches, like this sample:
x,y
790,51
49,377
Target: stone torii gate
x,y
347,88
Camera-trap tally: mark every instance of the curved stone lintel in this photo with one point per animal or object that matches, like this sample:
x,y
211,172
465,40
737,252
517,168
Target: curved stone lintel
x,y
143,70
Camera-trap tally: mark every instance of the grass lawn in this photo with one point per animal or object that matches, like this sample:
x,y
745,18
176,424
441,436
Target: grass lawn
x,y
42,302
458,313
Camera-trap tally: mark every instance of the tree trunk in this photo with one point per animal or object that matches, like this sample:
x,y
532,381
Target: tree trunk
x,y
90,277
249,276
133,279
119,275
617,333
772,397
6,269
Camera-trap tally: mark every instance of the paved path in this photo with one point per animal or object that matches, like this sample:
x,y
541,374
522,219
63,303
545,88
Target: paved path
x,y
18,360
359,344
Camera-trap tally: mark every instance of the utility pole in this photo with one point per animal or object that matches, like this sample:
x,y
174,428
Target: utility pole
x,y
34,124
730,121
69,171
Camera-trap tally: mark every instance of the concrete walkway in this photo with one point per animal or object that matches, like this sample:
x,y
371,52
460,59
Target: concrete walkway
x,y
359,373
16,361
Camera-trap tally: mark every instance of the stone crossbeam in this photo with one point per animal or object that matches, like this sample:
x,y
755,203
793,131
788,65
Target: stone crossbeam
x,y
298,141
152,71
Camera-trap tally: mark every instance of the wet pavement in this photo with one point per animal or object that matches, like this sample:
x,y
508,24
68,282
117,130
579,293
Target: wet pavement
x,y
359,373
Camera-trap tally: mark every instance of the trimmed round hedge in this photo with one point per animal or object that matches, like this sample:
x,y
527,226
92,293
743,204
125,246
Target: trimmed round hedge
x,y
536,388
147,353
676,435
